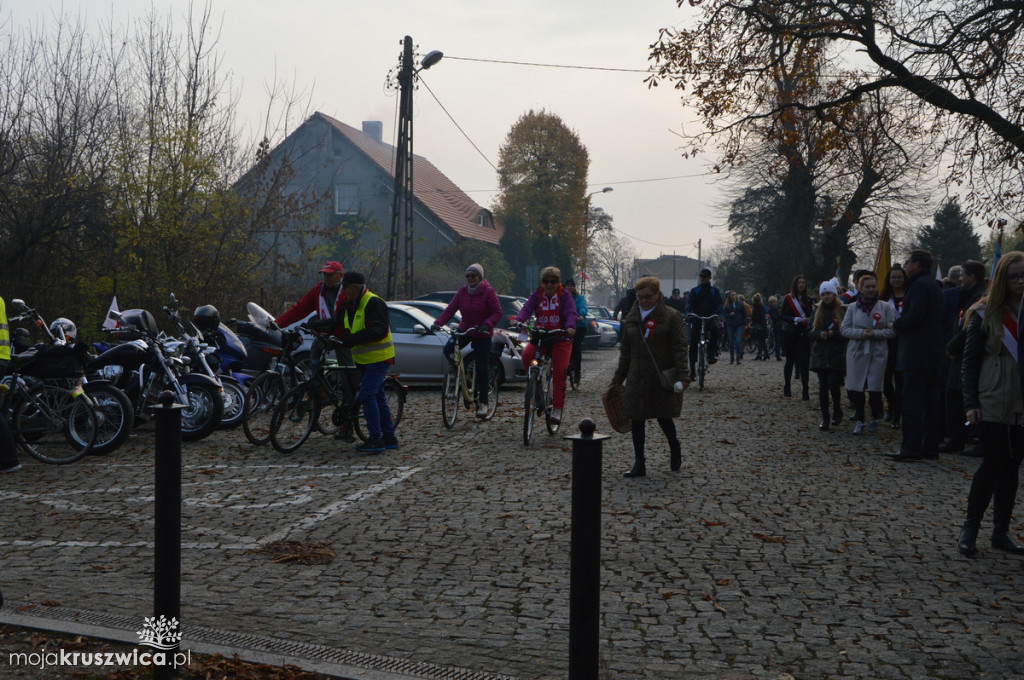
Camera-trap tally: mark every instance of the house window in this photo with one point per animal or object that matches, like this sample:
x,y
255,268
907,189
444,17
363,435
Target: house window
x,y
484,219
346,199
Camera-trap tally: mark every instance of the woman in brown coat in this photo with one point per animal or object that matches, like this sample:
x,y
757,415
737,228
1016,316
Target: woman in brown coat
x,y
652,328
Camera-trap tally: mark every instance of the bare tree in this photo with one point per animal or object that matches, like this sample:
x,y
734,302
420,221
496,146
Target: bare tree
x,y
611,264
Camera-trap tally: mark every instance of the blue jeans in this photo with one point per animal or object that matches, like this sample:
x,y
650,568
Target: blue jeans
x,y
735,341
375,404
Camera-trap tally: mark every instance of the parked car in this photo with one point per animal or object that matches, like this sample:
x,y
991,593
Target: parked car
x,y
604,315
419,358
510,304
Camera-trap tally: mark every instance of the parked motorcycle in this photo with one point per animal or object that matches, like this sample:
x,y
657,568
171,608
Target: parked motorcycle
x,y
200,354
147,363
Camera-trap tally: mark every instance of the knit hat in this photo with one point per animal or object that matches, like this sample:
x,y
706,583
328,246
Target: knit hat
x,y
353,278
828,287
475,268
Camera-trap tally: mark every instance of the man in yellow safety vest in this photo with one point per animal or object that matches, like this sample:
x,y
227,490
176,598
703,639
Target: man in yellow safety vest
x,y
367,331
8,454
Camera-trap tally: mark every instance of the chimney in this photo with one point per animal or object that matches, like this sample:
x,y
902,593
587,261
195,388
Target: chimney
x,y
375,129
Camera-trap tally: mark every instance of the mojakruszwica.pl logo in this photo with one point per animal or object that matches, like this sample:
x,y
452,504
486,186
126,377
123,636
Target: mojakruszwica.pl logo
x,y
160,634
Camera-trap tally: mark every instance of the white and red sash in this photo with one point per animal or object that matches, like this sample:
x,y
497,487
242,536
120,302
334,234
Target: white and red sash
x,y
322,311
798,311
1009,332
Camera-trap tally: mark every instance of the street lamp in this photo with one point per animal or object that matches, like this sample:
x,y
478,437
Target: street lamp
x,y
586,236
402,199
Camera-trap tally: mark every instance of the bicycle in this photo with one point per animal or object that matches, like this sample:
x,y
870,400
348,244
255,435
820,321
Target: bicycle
x,y
328,401
701,363
460,381
267,389
52,424
538,398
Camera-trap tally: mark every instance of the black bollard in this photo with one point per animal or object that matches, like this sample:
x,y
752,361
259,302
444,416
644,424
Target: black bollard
x,y
167,526
585,553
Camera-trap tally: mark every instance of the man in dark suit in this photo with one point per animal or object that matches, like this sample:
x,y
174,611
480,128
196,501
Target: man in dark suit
x,y
919,355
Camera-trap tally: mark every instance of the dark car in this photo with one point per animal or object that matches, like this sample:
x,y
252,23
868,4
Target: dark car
x,y
510,304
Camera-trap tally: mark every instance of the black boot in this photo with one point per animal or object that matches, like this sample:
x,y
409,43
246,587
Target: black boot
x,y
639,468
786,392
675,455
806,395
824,424
1001,541
966,544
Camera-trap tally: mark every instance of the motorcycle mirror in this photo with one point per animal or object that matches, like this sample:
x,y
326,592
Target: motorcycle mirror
x,y
18,305
114,315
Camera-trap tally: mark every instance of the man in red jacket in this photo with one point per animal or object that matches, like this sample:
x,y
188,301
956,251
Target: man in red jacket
x,y
325,298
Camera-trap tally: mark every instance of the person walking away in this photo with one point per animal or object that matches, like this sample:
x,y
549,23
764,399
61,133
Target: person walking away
x,y
955,303
653,340
759,327
828,353
775,316
478,303
704,300
993,401
555,309
8,453
894,292
795,313
919,354
867,326
367,331
735,322
576,358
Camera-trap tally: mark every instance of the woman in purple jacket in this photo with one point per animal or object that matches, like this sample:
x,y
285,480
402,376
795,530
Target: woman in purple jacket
x,y
478,303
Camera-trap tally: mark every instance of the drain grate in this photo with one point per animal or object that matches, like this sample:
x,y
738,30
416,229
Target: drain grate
x,y
228,643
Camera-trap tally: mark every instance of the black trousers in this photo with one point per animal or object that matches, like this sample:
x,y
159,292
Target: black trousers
x,y
874,398
639,430
797,347
997,476
576,358
830,384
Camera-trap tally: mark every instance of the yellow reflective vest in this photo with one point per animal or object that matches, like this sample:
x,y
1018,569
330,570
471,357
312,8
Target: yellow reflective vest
x,y
371,352
5,333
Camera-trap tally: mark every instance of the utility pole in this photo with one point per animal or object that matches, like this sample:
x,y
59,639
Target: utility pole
x,y
401,206
700,258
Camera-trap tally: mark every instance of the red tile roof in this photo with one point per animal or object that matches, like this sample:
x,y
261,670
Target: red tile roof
x,y
430,186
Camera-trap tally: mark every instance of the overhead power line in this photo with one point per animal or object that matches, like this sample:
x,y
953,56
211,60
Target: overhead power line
x,y
528,63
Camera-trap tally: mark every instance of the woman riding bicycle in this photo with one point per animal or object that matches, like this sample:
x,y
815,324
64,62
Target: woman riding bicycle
x,y
555,309
478,303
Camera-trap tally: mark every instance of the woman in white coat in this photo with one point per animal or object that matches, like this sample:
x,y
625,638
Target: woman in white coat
x,y
868,327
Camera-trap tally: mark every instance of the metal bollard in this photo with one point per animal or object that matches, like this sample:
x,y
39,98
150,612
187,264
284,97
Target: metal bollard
x,y
585,553
167,521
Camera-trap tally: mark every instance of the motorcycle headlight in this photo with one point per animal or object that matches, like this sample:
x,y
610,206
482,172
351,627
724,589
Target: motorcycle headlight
x,y
112,373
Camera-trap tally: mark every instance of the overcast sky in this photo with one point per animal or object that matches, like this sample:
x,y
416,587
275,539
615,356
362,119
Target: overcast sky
x,y
341,52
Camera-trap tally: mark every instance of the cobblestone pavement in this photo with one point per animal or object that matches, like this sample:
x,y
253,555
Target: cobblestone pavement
x,y
776,550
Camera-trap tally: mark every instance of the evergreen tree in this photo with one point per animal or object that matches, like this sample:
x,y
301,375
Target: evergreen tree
x,y
951,239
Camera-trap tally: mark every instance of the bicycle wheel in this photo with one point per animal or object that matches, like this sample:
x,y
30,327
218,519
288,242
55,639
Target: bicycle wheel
x,y
394,394
450,397
749,345
493,382
702,365
293,419
115,416
529,406
549,395
338,379
263,396
53,426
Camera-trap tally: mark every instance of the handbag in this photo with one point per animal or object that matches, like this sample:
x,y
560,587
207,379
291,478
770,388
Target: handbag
x,y
666,376
614,401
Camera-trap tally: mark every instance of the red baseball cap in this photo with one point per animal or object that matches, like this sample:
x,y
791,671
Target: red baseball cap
x,y
332,266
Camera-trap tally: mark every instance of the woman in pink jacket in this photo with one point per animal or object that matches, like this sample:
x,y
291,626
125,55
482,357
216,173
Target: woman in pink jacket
x,y
555,309
478,303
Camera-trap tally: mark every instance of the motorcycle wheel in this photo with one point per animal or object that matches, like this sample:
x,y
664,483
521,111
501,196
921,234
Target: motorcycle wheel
x,y
115,417
234,403
203,413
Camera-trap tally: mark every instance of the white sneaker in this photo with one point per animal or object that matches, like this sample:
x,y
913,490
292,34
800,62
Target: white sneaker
x,y
481,410
14,468
858,427
556,415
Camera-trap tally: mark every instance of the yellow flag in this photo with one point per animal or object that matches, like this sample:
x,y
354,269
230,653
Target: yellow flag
x,y
883,259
